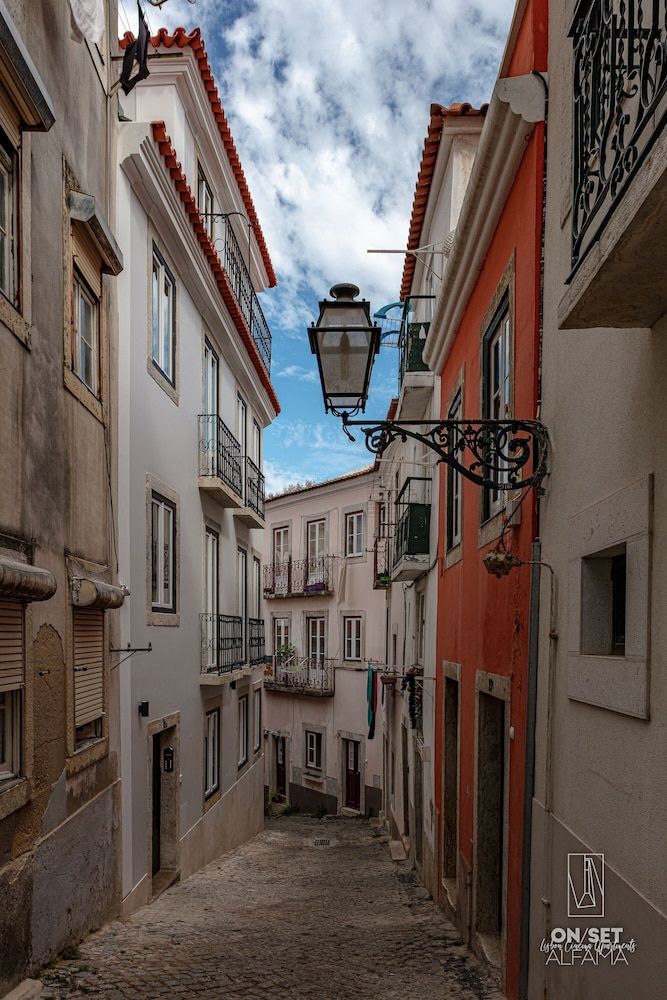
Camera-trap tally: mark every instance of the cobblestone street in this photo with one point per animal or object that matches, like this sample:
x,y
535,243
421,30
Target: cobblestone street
x,y
309,908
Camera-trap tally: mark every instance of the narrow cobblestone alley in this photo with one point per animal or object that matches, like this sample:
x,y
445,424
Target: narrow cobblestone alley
x,y
309,908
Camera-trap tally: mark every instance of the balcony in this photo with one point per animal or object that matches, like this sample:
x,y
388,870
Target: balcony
x,y
619,184
413,527
415,379
252,514
222,643
256,640
239,278
299,578
301,675
220,464
382,563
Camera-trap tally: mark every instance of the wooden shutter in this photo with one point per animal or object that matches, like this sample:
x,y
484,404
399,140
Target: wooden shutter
x,y
11,645
88,665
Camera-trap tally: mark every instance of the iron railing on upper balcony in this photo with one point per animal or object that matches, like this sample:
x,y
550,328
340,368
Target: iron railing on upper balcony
x,y
254,487
222,643
413,518
299,577
241,282
256,639
412,335
620,105
219,452
302,675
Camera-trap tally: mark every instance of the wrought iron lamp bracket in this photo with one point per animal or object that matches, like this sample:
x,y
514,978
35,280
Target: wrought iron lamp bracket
x,y
499,450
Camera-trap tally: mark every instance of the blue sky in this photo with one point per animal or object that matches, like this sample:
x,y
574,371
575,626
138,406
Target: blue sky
x,y
328,102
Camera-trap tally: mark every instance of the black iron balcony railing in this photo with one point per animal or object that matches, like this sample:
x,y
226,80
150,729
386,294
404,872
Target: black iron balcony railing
x,y
412,335
254,488
239,278
299,577
256,639
620,105
219,452
413,518
301,675
222,643
382,562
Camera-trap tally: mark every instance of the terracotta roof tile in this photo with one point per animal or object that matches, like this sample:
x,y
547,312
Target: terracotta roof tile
x,y
439,113
183,39
172,164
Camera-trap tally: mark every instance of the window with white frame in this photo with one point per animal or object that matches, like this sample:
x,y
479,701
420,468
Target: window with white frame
x,y
313,750
243,729
163,317
354,534
212,752
205,201
163,554
352,636
257,709
86,334
497,387
316,638
281,634
421,626
9,217
256,587
12,676
454,484
257,444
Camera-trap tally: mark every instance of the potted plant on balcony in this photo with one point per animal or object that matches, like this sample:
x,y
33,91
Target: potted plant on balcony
x,y
285,652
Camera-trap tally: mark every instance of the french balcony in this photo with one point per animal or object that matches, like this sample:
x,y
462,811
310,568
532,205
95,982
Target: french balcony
x,y
619,180
230,646
256,640
416,381
301,675
299,578
413,529
382,563
220,462
239,278
252,513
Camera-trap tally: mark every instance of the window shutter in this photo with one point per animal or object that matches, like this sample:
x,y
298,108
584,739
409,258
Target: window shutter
x,y
88,665
11,645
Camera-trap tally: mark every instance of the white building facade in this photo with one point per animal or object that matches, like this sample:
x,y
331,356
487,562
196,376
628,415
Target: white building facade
x,y
325,626
195,396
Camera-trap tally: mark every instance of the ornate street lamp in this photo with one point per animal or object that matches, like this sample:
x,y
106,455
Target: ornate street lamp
x,y
494,454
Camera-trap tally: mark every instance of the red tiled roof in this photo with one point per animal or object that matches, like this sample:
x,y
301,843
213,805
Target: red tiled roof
x,y
181,38
431,146
189,203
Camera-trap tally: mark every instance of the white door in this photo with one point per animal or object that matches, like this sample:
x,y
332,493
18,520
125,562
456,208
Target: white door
x,y
281,554
316,553
209,418
316,638
211,597
243,597
242,435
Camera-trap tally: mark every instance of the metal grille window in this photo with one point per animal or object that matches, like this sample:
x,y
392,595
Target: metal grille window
x,y
163,554
8,219
163,316
454,484
314,750
257,707
12,657
86,339
205,201
352,630
88,627
497,394
354,534
243,729
212,752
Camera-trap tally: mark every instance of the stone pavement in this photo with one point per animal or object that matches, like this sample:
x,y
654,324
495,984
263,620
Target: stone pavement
x,y
285,915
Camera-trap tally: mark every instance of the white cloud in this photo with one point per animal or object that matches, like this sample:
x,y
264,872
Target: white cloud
x,y
296,372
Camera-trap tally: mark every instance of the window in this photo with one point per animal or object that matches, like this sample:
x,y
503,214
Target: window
x,y
352,631
243,730
242,585
314,750
316,570
603,610
163,316
11,685
256,587
257,707
211,368
205,201
421,626
256,444
382,520
8,219
454,485
354,534
280,545
316,638
88,628
281,633
212,753
86,335
163,554
242,425
497,386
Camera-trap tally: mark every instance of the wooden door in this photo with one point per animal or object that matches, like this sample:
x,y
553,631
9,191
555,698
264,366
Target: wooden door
x,y
281,767
352,775
157,804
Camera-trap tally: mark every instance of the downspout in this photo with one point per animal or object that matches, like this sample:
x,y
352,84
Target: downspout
x,y
533,628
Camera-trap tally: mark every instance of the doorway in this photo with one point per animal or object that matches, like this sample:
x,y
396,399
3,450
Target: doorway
x,y
157,806
164,809
281,766
419,808
451,785
490,817
406,781
352,775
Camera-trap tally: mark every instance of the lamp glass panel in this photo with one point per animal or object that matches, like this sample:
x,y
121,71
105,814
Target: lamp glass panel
x,y
344,360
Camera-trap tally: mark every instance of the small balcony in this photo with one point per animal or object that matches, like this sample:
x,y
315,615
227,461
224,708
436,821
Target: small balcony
x,y
415,379
252,513
256,640
220,463
299,578
301,675
222,643
382,563
239,278
413,528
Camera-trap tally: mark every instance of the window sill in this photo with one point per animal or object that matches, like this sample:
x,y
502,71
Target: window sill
x,y
168,618
86,756
492,528
314,776
14,793
14,321
454,555
211,799
85,396
161,379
